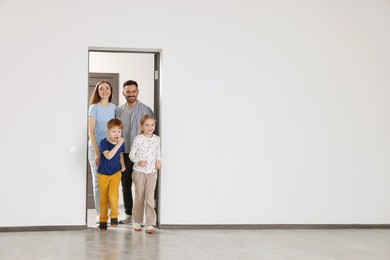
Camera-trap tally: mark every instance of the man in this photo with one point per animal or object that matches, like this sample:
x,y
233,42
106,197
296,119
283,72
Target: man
x,y
130,114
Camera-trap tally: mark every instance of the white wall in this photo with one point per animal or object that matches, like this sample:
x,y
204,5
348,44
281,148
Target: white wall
x,y
272,111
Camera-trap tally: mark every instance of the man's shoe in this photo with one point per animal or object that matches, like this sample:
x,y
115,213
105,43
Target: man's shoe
x,y
125,220
114,222
103,226
137,226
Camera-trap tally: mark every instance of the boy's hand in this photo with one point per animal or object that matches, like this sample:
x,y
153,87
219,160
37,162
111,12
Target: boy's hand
x,y
142,163
158,165
121,140
123,168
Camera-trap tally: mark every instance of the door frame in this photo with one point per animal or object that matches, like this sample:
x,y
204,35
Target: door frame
x,y
156,110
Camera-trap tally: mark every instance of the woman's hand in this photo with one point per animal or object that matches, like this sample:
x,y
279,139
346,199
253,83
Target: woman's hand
x,y
97,160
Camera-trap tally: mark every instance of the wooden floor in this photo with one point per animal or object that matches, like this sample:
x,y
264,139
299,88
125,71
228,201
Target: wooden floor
x,y
123,243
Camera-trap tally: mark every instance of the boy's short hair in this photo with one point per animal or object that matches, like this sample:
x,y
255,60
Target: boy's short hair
x,y
115,122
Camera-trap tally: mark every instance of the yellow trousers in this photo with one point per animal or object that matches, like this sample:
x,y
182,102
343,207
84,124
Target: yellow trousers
x,y
109,195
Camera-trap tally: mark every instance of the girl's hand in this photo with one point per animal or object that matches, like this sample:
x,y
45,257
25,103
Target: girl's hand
x,y
123,168
158,165
97,160
142,163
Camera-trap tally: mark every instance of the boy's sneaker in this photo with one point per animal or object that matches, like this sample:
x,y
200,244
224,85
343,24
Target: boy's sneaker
x,y
103,226
97,220
150,229
126,219
137,226
114,222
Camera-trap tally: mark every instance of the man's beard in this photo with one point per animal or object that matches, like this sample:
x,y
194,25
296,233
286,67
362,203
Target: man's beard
x,y
131,99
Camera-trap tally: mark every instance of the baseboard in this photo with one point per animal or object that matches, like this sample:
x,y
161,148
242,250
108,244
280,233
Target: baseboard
x,y
195,227
279,226
42,228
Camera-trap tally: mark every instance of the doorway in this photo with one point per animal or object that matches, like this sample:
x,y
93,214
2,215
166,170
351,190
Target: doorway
x,y
117,66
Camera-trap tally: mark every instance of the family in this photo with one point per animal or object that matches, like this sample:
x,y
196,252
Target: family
x,y
123,148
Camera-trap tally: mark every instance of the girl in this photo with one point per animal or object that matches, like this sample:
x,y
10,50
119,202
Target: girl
x,y
146,154
100,112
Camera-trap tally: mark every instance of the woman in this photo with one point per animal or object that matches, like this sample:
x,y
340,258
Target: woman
x,y
101,110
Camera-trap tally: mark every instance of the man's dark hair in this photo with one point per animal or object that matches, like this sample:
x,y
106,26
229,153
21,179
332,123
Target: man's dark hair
x,y
130,82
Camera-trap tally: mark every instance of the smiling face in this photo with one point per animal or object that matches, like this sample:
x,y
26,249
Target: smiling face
x,y
114,133
131,93
104,91
148,126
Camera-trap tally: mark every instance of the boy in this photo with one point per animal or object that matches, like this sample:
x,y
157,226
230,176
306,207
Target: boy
x,y
109,172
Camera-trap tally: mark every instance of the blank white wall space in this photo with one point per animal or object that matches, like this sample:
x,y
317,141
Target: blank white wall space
x,y
272,112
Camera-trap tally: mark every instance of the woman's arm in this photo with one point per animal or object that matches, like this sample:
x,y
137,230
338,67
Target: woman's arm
x,y
92,137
